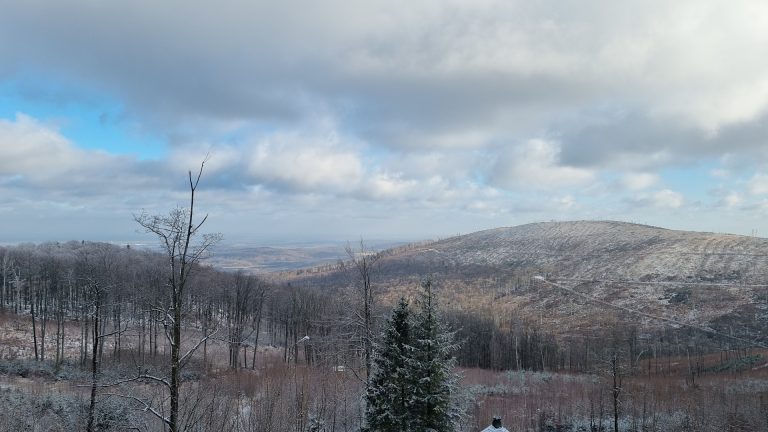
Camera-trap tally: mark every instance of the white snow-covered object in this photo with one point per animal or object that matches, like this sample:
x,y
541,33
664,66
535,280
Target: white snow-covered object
x,y
495,426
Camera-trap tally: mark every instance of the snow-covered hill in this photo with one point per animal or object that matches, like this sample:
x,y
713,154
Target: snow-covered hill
x,y
608,250
575,276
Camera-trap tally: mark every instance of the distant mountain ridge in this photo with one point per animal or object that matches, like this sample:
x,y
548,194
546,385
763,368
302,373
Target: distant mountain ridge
x,y
603,268
609,249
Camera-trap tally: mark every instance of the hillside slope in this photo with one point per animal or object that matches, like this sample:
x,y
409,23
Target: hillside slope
x,y
607,250
584,275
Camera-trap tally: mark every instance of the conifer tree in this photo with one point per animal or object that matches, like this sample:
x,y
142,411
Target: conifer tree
x,y
413,384
389,391
432,404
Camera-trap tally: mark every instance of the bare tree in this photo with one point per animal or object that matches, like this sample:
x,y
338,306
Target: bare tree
x,y
261,290
616,391
239,308
184,248
364,263
98,265
5,272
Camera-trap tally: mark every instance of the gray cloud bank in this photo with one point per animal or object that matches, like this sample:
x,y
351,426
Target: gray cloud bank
x,y
456,105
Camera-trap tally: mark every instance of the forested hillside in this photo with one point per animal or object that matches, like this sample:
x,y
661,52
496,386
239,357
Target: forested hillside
x,y
588,277
576,305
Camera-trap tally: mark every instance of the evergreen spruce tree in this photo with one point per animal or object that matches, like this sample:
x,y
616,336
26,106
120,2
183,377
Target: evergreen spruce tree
x,y
431,366
388,395
413,385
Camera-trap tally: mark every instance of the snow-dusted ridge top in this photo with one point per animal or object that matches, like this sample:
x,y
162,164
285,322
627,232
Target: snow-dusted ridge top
x,y
579,273
608,249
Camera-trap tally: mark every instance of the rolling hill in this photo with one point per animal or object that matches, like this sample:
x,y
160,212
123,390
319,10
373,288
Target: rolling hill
x,y
585,275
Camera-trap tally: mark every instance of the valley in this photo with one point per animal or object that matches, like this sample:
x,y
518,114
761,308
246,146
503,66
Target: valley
x,y
547,318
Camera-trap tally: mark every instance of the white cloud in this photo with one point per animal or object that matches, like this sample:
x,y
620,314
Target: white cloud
x,y
535,164
567,202
37,152
732,200
449,140
668,57
758,184
425,67
667,198
455,166
305,163
383,186
639,181
38,162
50,183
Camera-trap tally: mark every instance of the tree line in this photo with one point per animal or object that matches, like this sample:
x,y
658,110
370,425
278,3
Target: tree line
x,y
59,283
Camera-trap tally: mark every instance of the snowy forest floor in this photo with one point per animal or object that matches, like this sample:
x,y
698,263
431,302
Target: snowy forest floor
x,y
731,394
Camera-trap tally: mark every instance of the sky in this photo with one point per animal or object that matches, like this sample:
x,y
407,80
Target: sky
x,y
389,120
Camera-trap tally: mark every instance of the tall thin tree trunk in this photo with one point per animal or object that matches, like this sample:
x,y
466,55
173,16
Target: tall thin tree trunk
x,y
34,325
2,298
154,352
175,348
103,330
43,323
58,335
83,338
616,391
152,335
143,337
205,342
94,364
256,340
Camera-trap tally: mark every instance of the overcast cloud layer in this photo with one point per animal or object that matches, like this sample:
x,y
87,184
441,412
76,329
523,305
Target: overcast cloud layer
x,y
386,119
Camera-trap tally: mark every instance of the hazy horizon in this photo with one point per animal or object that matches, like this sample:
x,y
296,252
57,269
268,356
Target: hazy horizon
x,y
303,241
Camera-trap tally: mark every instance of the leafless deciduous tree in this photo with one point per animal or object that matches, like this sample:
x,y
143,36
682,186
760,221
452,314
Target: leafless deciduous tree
x,y
364,262
98,266
6,272
184,248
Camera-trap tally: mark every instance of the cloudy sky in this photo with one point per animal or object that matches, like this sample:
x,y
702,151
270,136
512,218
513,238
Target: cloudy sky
x,y
390,119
